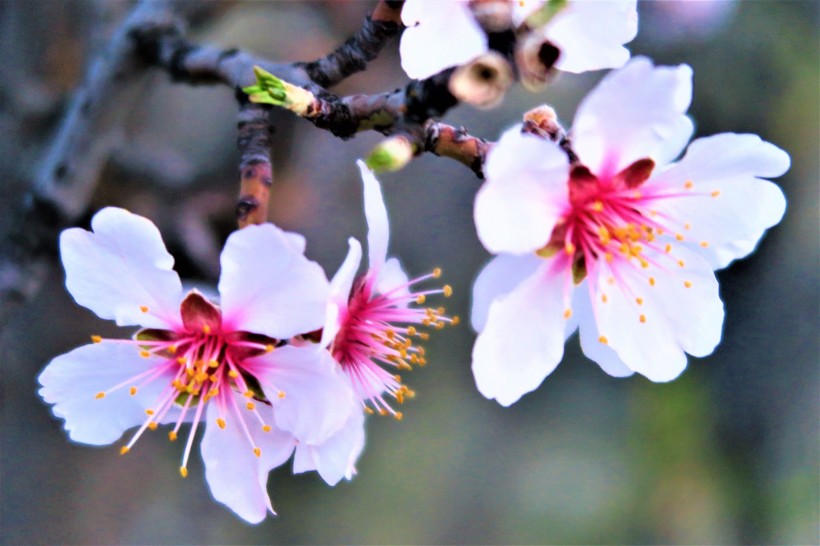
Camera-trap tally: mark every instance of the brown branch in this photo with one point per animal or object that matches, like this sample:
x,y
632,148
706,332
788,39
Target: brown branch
x,y
254,142
448,141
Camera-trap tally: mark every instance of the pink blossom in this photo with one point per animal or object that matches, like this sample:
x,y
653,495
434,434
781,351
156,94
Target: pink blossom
x,y
198,362
623,241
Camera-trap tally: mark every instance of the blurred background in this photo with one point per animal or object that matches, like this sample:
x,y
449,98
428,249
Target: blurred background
x,y
728,453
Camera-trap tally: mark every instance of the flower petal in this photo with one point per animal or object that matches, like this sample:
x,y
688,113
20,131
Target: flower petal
x,y
378,227
719,200
236,476
591,35
650,316
336,457
392,277
497,279
603,355
121,270
526,189
438,35
72,381
634,113
317,399
268,287
522,342
340,287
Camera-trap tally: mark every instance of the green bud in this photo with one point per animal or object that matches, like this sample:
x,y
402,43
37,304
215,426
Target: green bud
x,y
545,13
391,154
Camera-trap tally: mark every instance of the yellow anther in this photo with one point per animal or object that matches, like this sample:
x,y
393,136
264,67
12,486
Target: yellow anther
x,y
266,428
704,244
421,299
604,298
182,360
678,237
99,395
688,185
233,373
425,336
213,363
411,330
608,257
455,321
681,263
96,339
643,318
144,308
687,284
644,263
398,416
201,377
603,340
220,422
152,425
715,193
212,378
390,334
206,329
172,349
436,272
368,411
569,248
145,354
687,226
250,405
190,372
567,313
124,450
636,194
268,348
651,281
172,436
639,301
183,471
597,206
668,248
281,394
248,394
132,391
448,290
149,412
257,452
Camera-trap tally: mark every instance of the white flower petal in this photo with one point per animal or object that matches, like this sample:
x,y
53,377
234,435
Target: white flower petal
x,y
317,399
725,203
522,342
634,113
439,35
236,476
121,270
498,278
601,354
72,381
269,288
392,277
340,287
336,457
591,34
378,227
525,192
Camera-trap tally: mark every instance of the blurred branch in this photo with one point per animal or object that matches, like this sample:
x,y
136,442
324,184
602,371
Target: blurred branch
x,y
254,142
448,141
361,48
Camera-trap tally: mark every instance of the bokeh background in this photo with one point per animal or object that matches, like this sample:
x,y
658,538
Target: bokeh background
x,y
727,453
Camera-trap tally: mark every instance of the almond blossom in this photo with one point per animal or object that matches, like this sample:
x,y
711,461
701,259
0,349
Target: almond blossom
x,y
370,329
222,367
589,34
621,241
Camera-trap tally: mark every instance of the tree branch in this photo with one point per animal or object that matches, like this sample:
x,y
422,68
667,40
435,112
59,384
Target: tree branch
x,y
256,171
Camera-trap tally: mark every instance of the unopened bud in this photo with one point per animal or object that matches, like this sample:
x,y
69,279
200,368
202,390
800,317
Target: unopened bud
x,y
543,121
392,154
483,81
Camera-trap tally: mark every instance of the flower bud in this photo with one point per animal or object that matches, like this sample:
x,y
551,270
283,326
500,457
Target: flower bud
x,y
483,81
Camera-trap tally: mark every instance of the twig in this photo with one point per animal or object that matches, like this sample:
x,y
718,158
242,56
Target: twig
x,y
256,172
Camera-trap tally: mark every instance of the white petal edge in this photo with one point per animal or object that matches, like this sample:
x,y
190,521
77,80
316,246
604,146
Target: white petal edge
x,y
121,270
500,276
523,339
236,476
268,287
340,286
634,113
601,354
71,382
378,226
438,35
526,190
336,457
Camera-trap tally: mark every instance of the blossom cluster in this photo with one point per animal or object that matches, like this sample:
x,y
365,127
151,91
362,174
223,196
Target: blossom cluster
x,y
283,362
613,229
